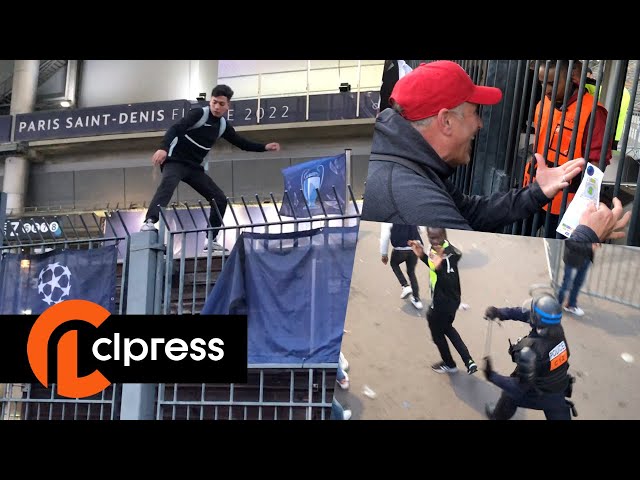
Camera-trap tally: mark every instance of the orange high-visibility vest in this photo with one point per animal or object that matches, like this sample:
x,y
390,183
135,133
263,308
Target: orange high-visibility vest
x,y
567,132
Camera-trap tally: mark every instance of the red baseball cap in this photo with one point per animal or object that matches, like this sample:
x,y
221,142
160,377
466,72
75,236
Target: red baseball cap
x,y
433,86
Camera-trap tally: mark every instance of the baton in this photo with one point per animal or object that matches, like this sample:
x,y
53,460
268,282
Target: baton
x,y
487,345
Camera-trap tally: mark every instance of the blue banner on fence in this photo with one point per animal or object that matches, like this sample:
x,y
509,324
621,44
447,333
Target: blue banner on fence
x,y
29,284
294,289
303,181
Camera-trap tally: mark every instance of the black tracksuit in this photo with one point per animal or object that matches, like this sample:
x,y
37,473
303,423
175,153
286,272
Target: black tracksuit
x,y
187,143
445,301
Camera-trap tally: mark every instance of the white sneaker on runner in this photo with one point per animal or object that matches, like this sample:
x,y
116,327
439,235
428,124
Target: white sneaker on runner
x,y
406,291
342,362
577,311
416,303
148,226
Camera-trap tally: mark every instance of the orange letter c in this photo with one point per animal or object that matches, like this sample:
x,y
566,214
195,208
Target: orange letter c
x,y
69,384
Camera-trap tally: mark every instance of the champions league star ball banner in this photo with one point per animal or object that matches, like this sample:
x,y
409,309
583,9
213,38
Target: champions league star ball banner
x,y
303,181
29,284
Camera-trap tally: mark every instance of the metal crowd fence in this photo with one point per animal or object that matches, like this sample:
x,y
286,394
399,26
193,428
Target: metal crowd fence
x,y
36,234
40,234
272,391
177,284
613,276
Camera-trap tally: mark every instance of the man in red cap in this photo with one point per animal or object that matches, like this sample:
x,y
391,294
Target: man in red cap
x,y
418,143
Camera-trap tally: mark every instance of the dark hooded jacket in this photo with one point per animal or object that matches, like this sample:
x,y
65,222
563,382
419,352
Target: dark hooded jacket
x,y
395,193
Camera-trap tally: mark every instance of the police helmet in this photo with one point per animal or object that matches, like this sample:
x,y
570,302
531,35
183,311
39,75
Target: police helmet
x,y
545,311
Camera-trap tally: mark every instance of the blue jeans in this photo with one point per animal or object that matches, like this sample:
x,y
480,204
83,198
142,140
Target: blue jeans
x,y
578,274
337,411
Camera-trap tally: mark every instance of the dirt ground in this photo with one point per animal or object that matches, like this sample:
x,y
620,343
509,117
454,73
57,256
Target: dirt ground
x,y
390,351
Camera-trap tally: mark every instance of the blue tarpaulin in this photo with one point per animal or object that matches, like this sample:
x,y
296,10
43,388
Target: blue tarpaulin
x,y
294,289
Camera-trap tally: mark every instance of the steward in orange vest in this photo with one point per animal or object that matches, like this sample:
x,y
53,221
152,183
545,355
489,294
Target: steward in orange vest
x,y
569,124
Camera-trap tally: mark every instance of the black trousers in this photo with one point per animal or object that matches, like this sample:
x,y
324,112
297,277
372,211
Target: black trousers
x,y
405,256
441,326
172,174
514,395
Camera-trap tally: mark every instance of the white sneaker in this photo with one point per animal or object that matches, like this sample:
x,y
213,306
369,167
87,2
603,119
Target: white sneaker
x,y
342,362
442,367
577,311
416,303
346,414
344,385
148,226
406,291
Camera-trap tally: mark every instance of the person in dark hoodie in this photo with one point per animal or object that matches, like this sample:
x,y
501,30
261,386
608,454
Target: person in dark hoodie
x,y
419,142
578,256
442,259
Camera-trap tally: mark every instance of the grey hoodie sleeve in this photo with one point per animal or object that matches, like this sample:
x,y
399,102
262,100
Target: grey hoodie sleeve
x,y
491,212
424,203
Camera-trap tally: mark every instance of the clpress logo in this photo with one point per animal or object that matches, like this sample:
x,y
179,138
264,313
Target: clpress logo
x,y
83,349
69,384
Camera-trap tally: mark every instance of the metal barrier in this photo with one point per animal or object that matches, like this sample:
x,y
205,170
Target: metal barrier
x,y
272,391
197,272
153,279
613,276
39,234
28,401
269,394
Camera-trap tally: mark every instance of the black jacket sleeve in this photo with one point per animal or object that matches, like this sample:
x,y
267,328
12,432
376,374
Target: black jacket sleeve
x,y
180,128
231,136
491,212
582,233
511,313
575,253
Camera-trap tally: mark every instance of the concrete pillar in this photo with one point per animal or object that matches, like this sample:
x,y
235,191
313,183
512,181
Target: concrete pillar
x,y
16,173
23,100
25,86
144,254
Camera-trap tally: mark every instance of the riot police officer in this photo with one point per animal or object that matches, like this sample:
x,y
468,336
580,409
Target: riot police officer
x,y
540,380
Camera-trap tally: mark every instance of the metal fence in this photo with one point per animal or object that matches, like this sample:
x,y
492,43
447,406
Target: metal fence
x,y
510,133
273,392
27,401
613,276
179,284
37,234
40,234
269,394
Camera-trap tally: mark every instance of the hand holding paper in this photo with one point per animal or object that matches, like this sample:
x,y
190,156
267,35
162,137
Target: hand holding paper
x,y
588,193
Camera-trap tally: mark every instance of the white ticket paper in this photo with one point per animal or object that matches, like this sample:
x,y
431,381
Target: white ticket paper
x,y
588,192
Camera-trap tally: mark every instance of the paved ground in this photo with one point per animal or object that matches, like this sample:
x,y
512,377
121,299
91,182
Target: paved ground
x,y
389,348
